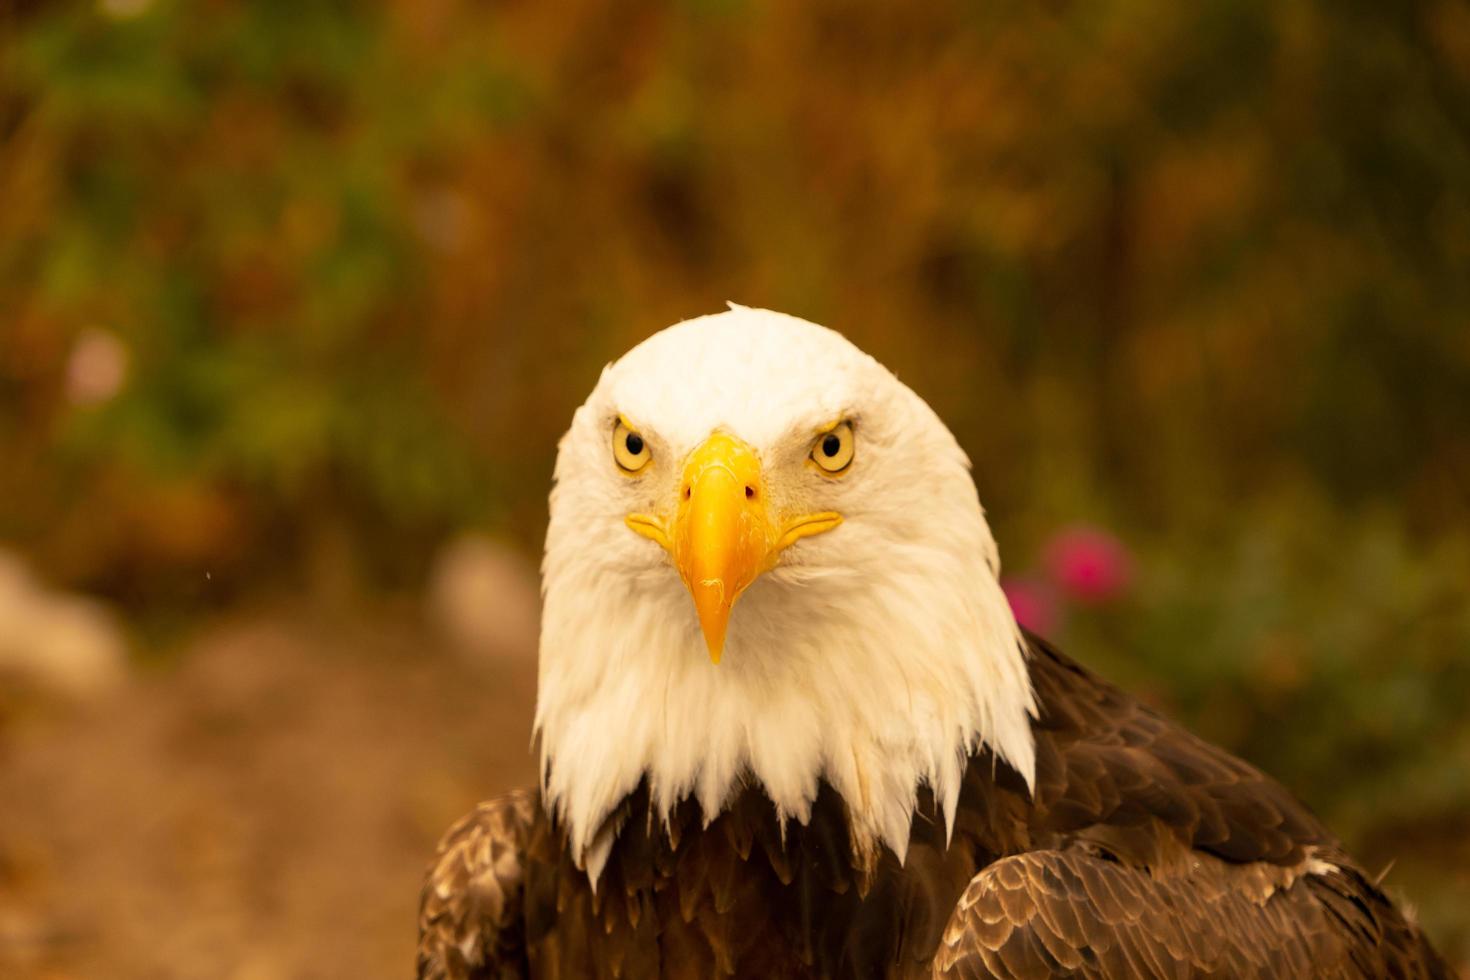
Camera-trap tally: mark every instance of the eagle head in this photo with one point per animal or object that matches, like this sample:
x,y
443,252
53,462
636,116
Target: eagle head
x,y
767,564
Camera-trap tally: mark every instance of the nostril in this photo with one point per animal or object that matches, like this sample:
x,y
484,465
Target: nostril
x,y
686,491
749,492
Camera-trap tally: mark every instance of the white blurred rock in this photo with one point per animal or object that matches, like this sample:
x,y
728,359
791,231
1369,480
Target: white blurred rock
x,y
97,367
58,641
484,597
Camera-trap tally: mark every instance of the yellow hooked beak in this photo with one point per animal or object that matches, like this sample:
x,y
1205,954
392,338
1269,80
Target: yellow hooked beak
x,y
724,534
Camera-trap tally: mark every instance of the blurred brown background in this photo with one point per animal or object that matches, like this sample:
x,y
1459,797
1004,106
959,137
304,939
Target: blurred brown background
x,y
296,298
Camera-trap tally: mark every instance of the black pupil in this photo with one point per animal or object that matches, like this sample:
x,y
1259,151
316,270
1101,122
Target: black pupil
x,y
831,445
634,442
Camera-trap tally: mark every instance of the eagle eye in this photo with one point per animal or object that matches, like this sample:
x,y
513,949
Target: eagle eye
x,y
629,449
832,452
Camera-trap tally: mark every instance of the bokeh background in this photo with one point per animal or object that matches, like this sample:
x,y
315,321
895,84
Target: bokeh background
x,y
297,297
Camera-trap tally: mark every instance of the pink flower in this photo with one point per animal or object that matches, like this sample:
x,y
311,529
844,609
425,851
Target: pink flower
x,y
1089,565
1034,604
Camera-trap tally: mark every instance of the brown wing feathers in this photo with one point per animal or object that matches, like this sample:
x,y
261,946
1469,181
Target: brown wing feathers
x,y
470,910
1075,913
1159,855
1105,761
1071,913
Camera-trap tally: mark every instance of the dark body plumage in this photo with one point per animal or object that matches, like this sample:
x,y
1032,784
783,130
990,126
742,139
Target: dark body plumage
x,y
1144,852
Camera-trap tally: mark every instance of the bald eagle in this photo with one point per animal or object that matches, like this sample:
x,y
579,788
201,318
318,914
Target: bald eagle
x,y
843,758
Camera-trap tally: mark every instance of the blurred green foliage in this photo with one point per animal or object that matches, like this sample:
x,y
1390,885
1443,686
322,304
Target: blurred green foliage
x,y
1199,273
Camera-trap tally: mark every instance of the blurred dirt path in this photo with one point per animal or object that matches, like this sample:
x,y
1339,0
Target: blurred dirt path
x,y
262,810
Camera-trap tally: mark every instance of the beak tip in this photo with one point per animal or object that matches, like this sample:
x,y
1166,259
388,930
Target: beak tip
x,y
713,608
713,629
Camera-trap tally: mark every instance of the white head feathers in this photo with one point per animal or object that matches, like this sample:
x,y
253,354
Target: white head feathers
x,y
876,656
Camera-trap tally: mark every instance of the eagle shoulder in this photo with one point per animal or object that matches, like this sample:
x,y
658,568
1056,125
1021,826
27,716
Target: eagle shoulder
x,y
470,909
1079,912
1146,852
